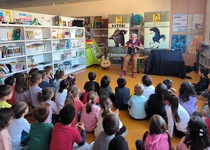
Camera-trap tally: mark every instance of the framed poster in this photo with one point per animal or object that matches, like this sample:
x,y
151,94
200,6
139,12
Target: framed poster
x,y
179,22
178,43
156,37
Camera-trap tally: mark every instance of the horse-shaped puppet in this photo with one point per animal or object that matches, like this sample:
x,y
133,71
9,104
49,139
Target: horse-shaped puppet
x,y
118,37
157,35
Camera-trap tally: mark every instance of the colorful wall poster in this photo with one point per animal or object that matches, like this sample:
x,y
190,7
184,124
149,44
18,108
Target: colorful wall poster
x,y
156,37
178,43
195,23
179,22
192,41
118,36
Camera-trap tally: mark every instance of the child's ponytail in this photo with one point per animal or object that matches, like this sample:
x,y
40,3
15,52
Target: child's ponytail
x,y
64,84
92,97
69,99
173,100
45,94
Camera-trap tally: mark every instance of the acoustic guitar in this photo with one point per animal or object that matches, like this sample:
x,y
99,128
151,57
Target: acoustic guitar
x,y
105,62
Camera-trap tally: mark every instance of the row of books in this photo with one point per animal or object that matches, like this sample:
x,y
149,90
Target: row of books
x,y
12,67
11,51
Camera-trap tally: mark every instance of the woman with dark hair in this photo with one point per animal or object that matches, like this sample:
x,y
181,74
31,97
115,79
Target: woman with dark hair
x,y
187,97
197,137
177,116
155,103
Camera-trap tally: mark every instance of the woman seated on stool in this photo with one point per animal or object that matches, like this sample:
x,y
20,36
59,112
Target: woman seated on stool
x,y
134,45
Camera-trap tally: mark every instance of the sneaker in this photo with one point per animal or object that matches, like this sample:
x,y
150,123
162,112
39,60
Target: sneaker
x,y
133,74
123,73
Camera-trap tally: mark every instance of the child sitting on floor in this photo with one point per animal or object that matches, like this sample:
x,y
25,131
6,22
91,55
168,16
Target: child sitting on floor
x,y
90,112
137,102
6,117
169,83
64,136
92,77
11,81
61,93
45,96
106,106
40,132
5,94
105,88
110,125
73,99
58,77
122,94
148,87
157,138
20,127
203,83
35,79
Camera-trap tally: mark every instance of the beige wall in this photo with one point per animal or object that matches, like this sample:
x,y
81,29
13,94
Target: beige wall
x,y
103,8
207,30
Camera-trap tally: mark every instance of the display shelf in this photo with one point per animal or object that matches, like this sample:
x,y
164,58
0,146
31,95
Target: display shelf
x,y
39,66
19,71
12,41
204,55
61,50
34,39
40,53
14,57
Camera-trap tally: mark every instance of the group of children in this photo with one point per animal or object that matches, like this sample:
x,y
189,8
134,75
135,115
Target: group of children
x,y
61,109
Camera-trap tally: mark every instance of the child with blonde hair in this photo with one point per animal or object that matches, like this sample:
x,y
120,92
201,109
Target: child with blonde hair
x,y
137,102
90,112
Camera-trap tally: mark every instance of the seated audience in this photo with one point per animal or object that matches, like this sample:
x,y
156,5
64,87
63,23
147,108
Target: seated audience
x,y
177,116
122,94
157,138
137,102
110,125
148,87
187,97
64,136
155,103
197,137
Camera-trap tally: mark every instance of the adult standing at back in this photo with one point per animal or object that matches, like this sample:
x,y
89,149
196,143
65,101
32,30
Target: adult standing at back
x,y
134,45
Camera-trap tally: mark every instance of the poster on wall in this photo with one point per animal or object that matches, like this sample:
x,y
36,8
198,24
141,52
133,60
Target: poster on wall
x,y
179,22
118,36
195,23
178,43
192,41
156,37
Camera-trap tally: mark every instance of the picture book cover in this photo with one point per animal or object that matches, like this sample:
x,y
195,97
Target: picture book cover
x,y
156,37
178,43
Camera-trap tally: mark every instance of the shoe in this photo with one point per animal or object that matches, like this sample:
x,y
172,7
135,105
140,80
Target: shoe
x,y
123,73
133,74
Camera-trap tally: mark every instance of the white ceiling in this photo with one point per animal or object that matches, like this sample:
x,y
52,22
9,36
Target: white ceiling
x,y
12,4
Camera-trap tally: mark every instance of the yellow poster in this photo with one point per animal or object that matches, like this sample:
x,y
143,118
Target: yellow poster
x,y
156,17
119,20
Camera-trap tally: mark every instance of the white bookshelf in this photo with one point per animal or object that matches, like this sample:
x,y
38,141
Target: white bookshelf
x,y
39,46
